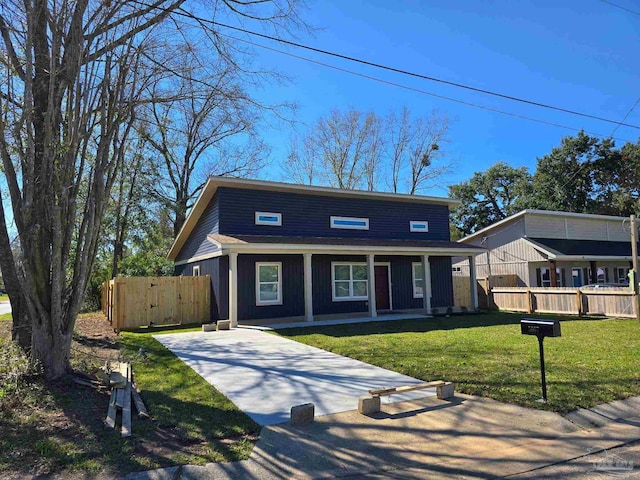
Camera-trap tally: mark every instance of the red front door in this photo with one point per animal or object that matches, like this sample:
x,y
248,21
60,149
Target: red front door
x,y
382,287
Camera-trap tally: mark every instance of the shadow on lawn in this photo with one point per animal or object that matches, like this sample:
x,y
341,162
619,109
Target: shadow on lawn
x,y
486,319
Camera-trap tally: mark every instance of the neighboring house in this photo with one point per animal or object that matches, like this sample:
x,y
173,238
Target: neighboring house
x,y
548,249
277,250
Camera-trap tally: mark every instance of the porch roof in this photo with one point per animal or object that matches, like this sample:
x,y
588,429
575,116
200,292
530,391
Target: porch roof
x,y
284,244
560,249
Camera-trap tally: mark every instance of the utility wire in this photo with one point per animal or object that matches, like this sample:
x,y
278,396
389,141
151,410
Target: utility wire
x,y
620,7
187,14
625,117
405,87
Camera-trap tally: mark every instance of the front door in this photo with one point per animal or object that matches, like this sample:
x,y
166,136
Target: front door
x,y
382,287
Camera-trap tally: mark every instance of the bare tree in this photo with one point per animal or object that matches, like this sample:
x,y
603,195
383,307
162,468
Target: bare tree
x,y
207,128
353,149
73,76
344,149
414,147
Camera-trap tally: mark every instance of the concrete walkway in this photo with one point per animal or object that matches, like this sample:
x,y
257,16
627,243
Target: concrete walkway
x,y
265,375
5,307
469,437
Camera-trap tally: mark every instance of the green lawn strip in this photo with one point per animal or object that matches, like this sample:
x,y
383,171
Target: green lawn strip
x,y
6,317
4,298
180,400
595,361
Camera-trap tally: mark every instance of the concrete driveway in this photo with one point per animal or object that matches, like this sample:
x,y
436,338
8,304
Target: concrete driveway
x,y
265,375
5,307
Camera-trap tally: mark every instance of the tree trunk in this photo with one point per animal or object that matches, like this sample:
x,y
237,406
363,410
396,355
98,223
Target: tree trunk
x,y
22,328
51,348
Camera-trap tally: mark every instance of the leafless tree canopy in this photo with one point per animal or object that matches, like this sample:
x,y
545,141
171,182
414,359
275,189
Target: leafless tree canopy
x,y
356,150
75,74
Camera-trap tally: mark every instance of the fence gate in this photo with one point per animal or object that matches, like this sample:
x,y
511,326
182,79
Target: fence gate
x,y
146,301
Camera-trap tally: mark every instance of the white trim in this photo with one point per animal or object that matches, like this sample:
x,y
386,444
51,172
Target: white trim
x,y
196,271
277,301
206,256
418,226
426,280
334,223
261,221
340,249
388,265
371,286
351,297
233,289
414,278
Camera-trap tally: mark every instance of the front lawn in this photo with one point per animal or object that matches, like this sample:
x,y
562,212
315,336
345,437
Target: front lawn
x,y
595,361
57,428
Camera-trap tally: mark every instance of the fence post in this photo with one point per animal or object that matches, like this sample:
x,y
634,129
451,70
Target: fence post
x,y
529,302
579,300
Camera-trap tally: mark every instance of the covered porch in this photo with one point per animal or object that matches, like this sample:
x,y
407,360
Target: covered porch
x,y
284,280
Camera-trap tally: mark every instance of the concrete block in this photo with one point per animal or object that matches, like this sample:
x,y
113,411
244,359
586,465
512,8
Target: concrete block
x,y
368,404
445,391
302,414
224,324
209,327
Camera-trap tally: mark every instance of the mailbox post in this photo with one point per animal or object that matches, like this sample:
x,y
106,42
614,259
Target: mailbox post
x,y
541,329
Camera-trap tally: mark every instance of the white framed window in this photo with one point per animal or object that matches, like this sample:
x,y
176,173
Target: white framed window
x,y
418,279
196,271
602,275
418,226
350,223
269,218
349,281
268,283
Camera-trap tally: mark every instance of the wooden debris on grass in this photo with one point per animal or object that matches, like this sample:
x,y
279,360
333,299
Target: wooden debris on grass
x,y
121,396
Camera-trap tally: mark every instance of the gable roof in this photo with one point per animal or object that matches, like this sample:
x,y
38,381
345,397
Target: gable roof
x,y
215,182
522,213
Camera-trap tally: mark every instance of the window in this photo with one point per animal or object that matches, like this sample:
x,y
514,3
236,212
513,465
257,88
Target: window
x,y
622,275
269,218
602,275
351,223
415,226
349,281
196,271
545,277
456,269
418,280
269,283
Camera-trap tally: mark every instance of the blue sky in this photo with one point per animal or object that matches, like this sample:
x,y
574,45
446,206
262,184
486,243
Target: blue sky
x,y
580,55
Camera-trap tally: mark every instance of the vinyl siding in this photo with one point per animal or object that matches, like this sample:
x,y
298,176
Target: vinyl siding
x,y
322,300
402,282
218,269
308,215
441,282
197,243
292,277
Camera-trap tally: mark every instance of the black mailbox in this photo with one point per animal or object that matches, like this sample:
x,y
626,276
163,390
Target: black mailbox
x,y
540,328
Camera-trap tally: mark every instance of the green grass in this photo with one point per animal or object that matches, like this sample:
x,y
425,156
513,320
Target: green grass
x,y
184,402
4,298
595,361
6,317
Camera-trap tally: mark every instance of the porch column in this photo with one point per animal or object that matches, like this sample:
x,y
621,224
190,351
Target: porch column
x,y
233,288
594,272
371,275
308,289
426,283
473,283
552,273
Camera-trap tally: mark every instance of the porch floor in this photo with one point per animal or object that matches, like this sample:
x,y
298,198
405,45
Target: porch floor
x,y
339,321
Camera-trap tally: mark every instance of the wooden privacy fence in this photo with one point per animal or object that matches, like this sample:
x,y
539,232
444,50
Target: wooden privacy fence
x,y
131,302
611,302
462,289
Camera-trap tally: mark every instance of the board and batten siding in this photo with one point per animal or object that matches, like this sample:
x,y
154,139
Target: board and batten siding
x,y
218,269
197,243
402,281
575,228
308,215
441,282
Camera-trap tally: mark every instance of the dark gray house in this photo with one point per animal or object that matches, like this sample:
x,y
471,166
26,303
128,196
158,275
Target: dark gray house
x,y
300,252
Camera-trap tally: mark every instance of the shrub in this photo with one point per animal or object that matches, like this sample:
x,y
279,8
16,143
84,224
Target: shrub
x,y
16,372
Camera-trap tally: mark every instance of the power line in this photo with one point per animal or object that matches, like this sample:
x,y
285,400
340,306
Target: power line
x,y
625,117
394,69
417,90
620,7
